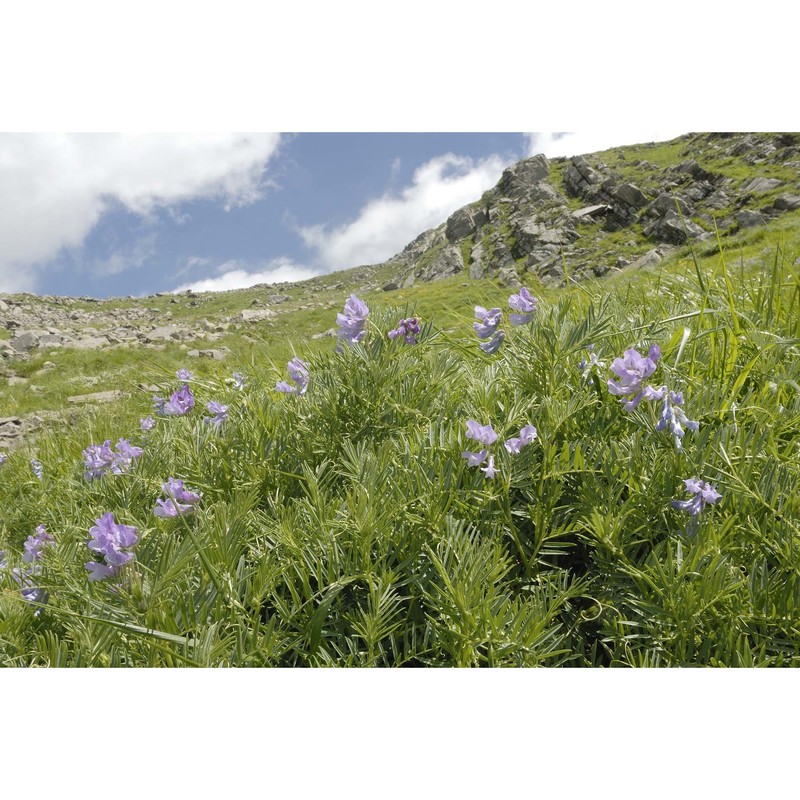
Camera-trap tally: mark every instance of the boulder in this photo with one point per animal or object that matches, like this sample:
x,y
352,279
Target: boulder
x,y
216,355
96,397
163,333
518,179
631,195
591,211
749,219
25,341
762,185
787,202
90,343
460,224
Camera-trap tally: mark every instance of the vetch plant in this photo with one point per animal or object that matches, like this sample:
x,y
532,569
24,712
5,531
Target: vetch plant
x,y
632,370
298,372
487,327
704,494
219,411
408,329
485,435
351,323
525,304
181,402
111,540
526,437
180,501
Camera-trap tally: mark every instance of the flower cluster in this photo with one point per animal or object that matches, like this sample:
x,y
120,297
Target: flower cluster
x,y
147,424
184,375
525,304
3,458
487,328
632,370
100,459
37,468
219,411
35,544
298,372
704,494
351,323
181,402
111,540
239,381
673,418
408,329
179,500
526,436
485,435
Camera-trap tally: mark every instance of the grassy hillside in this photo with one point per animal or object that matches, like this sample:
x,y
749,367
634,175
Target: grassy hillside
x,y
343,527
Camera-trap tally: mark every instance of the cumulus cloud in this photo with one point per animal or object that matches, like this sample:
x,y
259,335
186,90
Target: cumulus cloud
x,y
576,144
55,187
235,275
387,224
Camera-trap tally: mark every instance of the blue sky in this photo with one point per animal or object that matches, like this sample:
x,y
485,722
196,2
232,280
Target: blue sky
x,y
132,214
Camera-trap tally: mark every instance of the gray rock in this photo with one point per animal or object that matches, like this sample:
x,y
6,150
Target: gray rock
x,y
517,180
508,277
25,341
460,224
216,355
325,334
279,298
477,257
762,185
448,262
164,333
665,203
631,195
580,177
530,233
749,219
15,380
96,397
591,211
391,286
257,316
91,343
787,202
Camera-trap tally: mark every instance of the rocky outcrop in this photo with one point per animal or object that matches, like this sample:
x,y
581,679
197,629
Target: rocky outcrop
x,y
543,214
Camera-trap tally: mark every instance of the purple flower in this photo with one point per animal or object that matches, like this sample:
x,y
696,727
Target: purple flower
x,y
489,470
181,402
220,413
526,436
407,328
147,424
704,494
351,323
523,302
488,321
37,468
110,538
474,459
298,372
125,456
673,417
3,458
184,375
97,458
493,345
179,500
483,434
35,544
631,371
100,459
480,433
99,572
239,381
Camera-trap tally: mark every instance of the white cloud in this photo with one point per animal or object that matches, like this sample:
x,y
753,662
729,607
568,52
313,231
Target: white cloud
x,y
576,144
55,187
234,275
386,225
